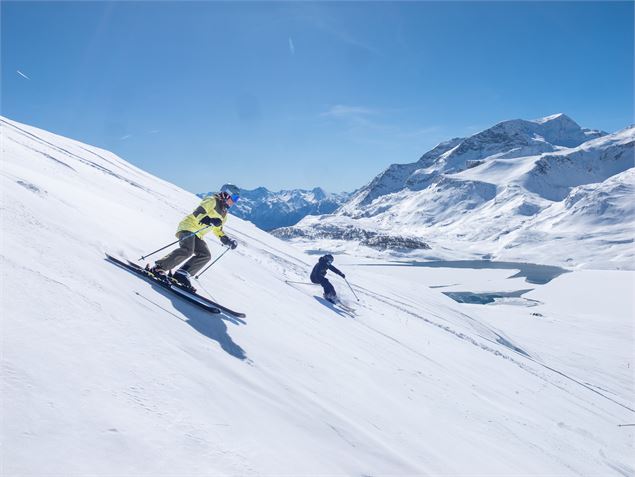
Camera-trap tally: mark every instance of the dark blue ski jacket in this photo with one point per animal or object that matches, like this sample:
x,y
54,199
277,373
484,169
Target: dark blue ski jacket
x,y
320,269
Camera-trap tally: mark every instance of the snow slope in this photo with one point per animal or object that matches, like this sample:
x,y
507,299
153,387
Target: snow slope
x,y
102,374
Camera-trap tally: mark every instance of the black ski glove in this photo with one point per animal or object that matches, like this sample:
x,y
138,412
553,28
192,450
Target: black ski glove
x,y
215,221
342,275
229,242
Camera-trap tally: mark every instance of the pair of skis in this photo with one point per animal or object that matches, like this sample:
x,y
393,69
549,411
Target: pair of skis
x,y
168,284
335,304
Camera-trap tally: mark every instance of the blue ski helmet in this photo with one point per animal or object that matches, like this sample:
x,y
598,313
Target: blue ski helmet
x,y
230,191
328,258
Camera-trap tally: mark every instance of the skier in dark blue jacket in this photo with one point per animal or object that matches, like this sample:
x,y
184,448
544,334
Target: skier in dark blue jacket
x,y
318,275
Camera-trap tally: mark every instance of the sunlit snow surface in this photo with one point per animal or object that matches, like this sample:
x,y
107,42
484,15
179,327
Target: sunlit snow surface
x,y
102,374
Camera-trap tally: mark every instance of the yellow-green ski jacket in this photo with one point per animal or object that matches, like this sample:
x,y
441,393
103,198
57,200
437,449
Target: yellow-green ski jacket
x,y
211,207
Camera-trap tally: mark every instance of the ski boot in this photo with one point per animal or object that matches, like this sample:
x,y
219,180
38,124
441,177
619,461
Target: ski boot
x,y
156,270
331,297
182,277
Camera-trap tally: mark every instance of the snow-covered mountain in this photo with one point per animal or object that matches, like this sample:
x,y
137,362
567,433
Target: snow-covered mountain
x,y
270,210
105,374
498,194
509,139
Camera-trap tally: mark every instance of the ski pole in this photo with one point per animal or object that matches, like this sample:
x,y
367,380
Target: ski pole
x,y
176,241
217,259
349,286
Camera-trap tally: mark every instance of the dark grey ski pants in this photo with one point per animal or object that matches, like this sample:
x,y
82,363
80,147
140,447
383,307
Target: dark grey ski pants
x,y
188,245
329,289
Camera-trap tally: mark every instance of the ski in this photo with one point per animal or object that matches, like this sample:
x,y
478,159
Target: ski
x,y
346,307
191,297
222,308
341,305
338,306
229,311
183,291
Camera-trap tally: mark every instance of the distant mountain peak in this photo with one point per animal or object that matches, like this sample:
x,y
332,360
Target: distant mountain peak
x,y
273,209
319,193
559,117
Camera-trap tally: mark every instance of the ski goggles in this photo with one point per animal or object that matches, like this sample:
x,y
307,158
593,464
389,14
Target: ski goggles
x,y
235,198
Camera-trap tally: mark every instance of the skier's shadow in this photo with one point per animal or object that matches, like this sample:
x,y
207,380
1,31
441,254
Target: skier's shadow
x,y
330,305
211,325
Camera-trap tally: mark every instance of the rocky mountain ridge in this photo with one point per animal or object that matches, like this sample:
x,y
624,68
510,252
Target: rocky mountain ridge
x,y
269,210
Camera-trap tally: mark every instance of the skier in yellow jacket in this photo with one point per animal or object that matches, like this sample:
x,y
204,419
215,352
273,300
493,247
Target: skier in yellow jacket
x,y
210,215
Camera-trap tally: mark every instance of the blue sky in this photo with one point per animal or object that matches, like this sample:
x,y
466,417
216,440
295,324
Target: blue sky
x,y
288,95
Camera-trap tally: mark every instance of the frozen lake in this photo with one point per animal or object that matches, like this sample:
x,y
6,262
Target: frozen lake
x,y
533,273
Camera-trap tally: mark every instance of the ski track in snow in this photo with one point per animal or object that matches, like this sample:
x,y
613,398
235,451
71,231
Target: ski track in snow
x,y
403,308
